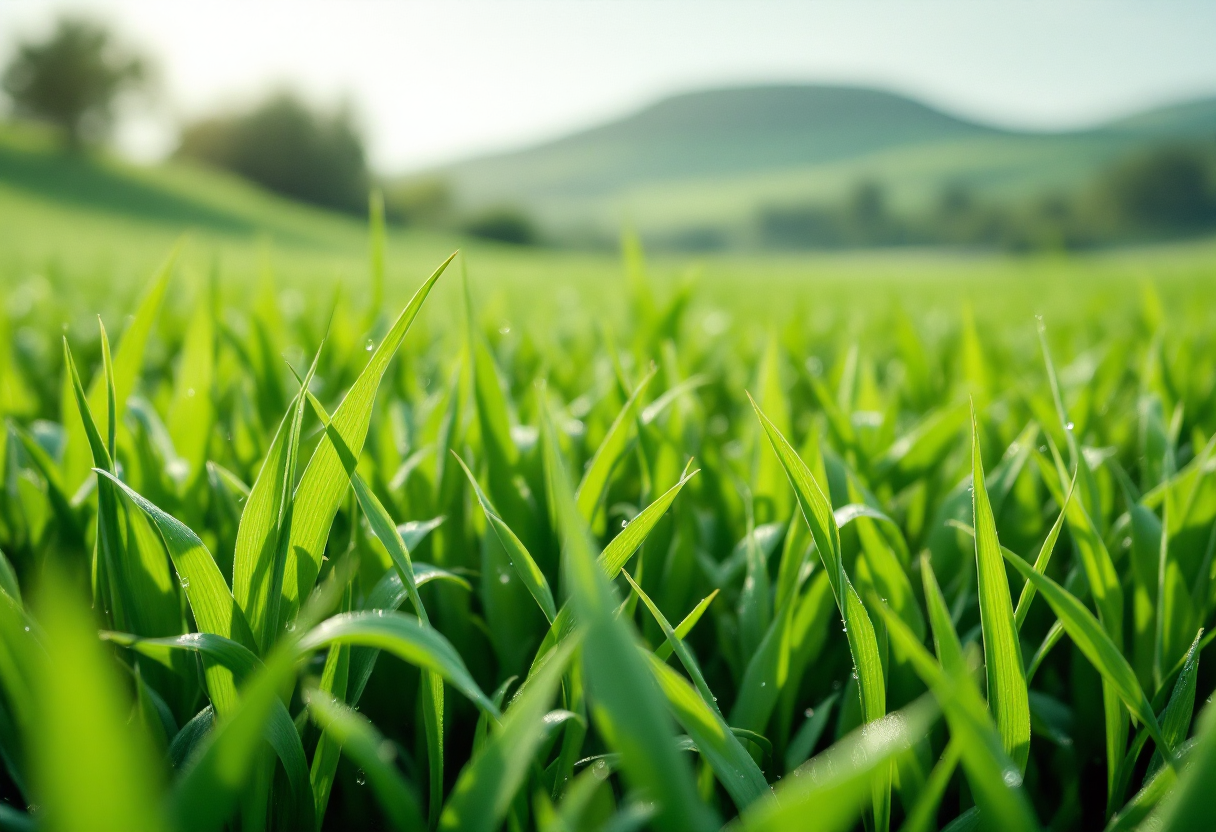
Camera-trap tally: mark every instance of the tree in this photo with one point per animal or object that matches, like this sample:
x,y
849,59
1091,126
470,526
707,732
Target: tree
x,y
504,224
289,148
1169,190
72,79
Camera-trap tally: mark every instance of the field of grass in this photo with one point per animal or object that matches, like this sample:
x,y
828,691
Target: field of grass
x,y
297,537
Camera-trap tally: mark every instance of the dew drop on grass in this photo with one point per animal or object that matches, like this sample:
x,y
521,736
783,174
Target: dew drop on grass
x,y
361,778
504,578
185,582
369,345
1068,426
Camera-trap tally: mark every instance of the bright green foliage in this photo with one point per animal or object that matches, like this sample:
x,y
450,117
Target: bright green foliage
x,y
531,559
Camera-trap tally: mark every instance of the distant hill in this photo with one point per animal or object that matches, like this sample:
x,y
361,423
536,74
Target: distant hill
x,y
711,158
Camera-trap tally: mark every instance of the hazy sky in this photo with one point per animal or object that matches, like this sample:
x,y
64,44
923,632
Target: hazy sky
x,y
435,81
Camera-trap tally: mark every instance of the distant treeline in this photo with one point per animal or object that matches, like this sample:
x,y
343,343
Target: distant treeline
x,y
318,156
1158,194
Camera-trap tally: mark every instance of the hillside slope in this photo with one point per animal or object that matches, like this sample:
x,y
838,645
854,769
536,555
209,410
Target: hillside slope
x,y
83,214
713,157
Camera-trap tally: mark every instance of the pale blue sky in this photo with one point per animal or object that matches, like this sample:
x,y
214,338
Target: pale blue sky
x,y
435,81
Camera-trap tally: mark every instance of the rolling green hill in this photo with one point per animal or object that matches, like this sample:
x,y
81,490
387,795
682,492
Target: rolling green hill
x,y
711,158
104,224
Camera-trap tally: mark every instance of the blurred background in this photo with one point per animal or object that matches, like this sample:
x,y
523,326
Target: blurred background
x,y
706,127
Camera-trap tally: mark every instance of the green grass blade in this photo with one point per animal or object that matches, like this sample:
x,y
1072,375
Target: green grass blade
x,y
110,558
685,655
702,719
490,781
529,573
923,815
827,794
91,768
1159,786
335,681
127,364
405,637
326,477
1042,561
618,552
1087,633
385,530
191,411
685,626
1176,719
431,684
259,557
1050,640
945,638
214,609
625,705
1188,806
219,769
804,742
1007,695
595,480
363,744
863,642
764,675
389,594
243,664
621,548
735,768
993,776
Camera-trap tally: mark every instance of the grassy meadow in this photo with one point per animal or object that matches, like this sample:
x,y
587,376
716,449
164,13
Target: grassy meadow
x,y
307,524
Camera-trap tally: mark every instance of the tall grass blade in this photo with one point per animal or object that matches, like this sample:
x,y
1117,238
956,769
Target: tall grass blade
x,y
326,477
625,705
490,781
1007,695
363,744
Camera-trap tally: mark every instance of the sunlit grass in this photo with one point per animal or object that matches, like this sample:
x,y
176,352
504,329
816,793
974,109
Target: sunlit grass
x,y
609,554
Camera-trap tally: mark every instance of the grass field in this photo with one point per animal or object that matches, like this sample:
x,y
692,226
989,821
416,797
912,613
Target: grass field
x,y
566,541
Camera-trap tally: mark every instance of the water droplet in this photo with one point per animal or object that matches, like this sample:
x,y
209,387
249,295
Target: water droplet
x,y
185,582
624,523
1068,426
291,627
190,392
504,578
27,628
369,346
361,777
503,330
1012,778
762,684
1127,543
808,713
